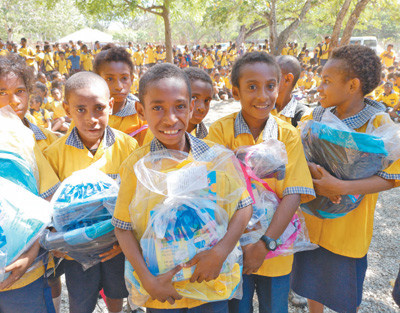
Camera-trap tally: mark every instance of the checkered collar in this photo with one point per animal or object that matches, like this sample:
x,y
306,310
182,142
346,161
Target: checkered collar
x,y
75,141
201,131
129,108
39,134
270,129
198,148
290,109
356,121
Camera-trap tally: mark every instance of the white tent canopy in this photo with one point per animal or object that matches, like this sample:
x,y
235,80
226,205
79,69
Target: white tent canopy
x,y
87,35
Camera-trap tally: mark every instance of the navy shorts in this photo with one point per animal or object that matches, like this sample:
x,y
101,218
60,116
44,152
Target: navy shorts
x,y
396,290
334,280
84,286
211,307
272,294
33,298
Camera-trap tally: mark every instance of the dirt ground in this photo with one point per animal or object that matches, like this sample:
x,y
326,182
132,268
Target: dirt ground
x,y
383,256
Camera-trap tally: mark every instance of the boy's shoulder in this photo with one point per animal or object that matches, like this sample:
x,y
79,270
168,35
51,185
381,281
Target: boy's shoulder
x,y
123,139
57,147
287,130
226,120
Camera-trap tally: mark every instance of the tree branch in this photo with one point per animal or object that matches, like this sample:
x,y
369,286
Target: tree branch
x,y
152,8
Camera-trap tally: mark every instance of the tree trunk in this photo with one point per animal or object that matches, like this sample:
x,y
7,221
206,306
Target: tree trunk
x,y
284,35
168,31
240,38
273,33
254,30
352,22
338,23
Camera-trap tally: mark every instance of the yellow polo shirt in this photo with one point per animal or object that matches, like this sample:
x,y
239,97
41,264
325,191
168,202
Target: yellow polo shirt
x,y
48,184
27,52
57,108
68,154
41,117
351,234
389,100
48,62
233,132
387,58
86,61
138,57
43,136
122,216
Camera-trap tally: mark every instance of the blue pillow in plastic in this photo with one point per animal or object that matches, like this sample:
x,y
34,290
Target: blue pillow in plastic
x,y
345,155
14,168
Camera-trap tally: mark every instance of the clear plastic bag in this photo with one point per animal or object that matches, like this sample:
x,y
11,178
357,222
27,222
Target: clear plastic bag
x,y
17,158
23,218
264,159
83,208
192,201
347,155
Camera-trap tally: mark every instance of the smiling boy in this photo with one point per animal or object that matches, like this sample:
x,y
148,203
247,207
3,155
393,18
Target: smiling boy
x,y
165,102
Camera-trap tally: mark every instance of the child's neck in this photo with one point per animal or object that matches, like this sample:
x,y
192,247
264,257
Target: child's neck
x,y
350,108
118,106
256,126
285,101
191,127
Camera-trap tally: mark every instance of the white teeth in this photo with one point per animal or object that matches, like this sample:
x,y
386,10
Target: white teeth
x,y
261,106
170,132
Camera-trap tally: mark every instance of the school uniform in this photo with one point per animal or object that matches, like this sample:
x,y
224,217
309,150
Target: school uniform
x,y
334,273
41,117
122,217
272,279
200,131
291,111
389,100
31,290
67,155
57,108
43,136
127,120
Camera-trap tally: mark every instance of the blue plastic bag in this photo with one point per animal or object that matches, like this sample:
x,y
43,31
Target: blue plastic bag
x,y
83,208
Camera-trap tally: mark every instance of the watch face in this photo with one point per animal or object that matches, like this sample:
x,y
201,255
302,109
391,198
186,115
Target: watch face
x,y
272,245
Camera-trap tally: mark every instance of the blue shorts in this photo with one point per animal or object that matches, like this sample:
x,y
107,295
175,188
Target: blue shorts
x,y
84,286
211,307
272,294
334,280
396,290
33,298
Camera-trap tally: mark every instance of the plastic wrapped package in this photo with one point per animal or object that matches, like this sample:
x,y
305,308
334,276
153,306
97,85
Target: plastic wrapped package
x,y
347,155
17,158
83,208
191,201
23,218
267,160
264,160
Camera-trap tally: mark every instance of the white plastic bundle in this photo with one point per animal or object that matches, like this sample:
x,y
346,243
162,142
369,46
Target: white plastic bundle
x,y
23,218
17,156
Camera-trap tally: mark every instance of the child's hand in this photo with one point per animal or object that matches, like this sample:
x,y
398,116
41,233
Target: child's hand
x,y
208,265
313,170
253,257
58,254
325,184
160,288
20,266
116,249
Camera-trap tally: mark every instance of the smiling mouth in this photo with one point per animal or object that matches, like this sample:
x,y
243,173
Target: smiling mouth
x,y
261,106
170,132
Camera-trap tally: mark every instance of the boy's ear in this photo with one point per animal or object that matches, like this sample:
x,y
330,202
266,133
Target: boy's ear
x,y
235,93
289,79
140,110
355,85
191,108
67,109
111,105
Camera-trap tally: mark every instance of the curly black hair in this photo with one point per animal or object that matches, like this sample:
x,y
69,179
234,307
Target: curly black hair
x,y
13,63
194,73
114,54
251,58
159,72
360,62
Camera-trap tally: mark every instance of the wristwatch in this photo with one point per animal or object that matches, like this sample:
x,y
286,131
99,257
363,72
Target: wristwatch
x,y
269,243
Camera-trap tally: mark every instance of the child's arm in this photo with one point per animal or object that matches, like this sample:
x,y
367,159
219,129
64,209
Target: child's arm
x,y
20,266
159,287
209,263
329,186
254,254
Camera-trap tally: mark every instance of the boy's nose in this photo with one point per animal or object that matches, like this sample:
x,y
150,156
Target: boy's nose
x,y
14,100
